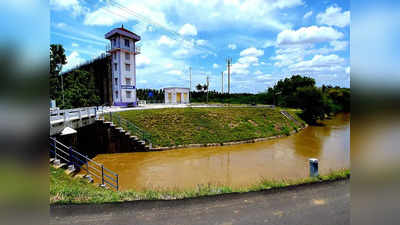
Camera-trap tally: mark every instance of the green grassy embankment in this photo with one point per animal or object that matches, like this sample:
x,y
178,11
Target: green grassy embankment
x,y
182,126
65,189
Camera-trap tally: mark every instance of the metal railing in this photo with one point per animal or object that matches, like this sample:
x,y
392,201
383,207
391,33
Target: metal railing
x,y
129,126
72,157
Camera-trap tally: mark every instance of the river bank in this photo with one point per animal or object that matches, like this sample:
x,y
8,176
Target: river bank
x,y
202,127
67,190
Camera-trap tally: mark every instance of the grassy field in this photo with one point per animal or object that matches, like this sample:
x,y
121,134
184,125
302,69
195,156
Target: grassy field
x,y
65,189
179,126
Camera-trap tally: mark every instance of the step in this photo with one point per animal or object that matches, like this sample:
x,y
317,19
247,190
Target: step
x,y
61,165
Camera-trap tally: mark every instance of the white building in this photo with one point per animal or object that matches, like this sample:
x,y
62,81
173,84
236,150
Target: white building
x,y
176,95
123,52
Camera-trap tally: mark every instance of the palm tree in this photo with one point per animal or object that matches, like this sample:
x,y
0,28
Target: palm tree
x,y
199,87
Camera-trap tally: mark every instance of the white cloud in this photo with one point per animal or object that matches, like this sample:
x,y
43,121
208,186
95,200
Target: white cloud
x,y
174,72
252,52
61,25
141,27
215,65
164,40
201,42
73,60
333,16
73,5
308,14
264,77
110,15
169,65
180,52
232,46
318,63
248,59
188,29
240,69
339,45
287,3
142,61
308,35
75,44
268,44
258,72
348,70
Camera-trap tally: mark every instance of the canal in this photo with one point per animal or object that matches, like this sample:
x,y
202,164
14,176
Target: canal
x,y
236,165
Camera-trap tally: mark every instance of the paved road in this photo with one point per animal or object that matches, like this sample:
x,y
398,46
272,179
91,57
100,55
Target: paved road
x,y
318,204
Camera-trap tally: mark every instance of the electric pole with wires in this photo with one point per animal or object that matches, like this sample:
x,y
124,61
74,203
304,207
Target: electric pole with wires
x,y
229,62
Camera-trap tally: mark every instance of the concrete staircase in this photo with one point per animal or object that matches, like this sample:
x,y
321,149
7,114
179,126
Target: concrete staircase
x,y
128,142
290,117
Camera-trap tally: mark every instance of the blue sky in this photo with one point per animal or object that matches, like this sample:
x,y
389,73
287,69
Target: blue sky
x,y
266,39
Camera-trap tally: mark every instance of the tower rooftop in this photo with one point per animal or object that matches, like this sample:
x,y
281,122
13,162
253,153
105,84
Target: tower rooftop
x,y
123,32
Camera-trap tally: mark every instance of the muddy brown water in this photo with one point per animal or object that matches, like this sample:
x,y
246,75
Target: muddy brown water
x,y
236,165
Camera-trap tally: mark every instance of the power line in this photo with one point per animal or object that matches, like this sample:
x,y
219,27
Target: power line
x,y
141,17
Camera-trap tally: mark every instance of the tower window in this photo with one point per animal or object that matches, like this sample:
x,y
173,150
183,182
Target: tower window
x,y
114,42
128,94
115,55
128,67
126,42
128,81
116,94
127,56
116,81
115,67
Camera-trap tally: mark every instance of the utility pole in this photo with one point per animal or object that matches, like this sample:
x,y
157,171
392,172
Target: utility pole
x,y
190,78
222,82
208,85
229,61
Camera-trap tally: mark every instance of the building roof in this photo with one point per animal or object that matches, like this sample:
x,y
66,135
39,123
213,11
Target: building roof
x,y
123,32
177,88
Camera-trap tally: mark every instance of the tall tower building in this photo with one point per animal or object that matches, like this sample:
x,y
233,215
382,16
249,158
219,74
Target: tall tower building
x,y
123,52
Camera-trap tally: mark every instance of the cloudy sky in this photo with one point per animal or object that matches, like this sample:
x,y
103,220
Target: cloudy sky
x,y
266,39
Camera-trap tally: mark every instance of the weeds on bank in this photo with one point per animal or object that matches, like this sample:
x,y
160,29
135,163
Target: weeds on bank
x,y
64,189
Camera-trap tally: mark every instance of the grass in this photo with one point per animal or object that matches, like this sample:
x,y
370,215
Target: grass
x,y
65,189
181,126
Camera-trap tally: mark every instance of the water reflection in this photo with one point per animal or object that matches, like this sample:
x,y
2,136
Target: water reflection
x,y
236,165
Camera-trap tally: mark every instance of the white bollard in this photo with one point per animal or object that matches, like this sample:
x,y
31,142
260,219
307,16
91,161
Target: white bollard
x,y
313,167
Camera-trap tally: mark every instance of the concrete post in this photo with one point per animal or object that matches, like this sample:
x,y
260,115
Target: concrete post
x,y
65,115
313,167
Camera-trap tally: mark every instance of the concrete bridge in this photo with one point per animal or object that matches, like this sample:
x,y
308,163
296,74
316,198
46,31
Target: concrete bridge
x,y
74,118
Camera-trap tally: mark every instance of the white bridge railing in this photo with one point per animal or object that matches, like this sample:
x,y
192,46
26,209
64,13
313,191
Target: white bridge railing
x,y
59,116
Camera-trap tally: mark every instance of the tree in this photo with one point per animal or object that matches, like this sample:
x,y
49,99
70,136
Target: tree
x,y
57,56
311,102
287,89
80,90
199,87
205,87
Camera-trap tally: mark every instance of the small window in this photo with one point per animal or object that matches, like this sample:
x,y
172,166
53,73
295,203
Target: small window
x,y
128,94
114,42
128,81
126,42
127,67
116,81
127,56
115,67
116,94
115,55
